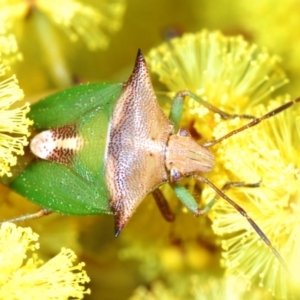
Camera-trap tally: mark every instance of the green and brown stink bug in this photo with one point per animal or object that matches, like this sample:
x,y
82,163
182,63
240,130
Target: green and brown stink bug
x,y
103,147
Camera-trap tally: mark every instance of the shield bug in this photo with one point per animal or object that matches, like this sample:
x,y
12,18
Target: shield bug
x,y
103,147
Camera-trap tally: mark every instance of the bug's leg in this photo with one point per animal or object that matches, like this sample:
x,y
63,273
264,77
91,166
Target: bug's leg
x,y
230,184
177,107
225,188
163,205
176,110
190,203
185,197
188,200
244,214
253,122
41,213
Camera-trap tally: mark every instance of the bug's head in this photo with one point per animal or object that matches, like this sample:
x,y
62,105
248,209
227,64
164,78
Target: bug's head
x,y
185,157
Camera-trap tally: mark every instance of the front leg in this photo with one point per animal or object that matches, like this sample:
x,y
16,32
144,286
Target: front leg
x,y
177,108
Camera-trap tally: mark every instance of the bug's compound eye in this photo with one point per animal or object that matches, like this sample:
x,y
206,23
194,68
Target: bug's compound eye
x,y
175,175
183,132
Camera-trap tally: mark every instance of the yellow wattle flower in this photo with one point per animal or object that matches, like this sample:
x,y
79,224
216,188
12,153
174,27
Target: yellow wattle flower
x,y
280,22
266,153
226,71
198,287
25,276
14,125
238,78
77,19
38,25
9,48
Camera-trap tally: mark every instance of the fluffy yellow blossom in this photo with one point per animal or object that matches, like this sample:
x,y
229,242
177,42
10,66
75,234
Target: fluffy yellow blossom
x,y
225,70
82,21
9,48
25,276
76,18
228,72
225,288
158,291
199,287
275,30
237,77
268,153
13,123
38,24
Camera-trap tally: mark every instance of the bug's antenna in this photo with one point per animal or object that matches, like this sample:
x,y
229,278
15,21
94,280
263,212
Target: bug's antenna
x,y
252,123
252,223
